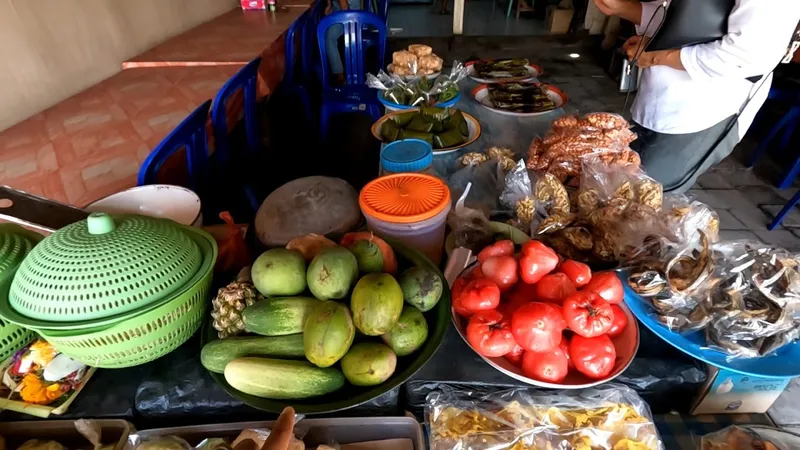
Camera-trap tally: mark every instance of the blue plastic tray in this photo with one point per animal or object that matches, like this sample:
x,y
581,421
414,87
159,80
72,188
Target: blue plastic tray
x,y
785,363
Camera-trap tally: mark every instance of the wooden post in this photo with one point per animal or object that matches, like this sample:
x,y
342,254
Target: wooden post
x,y
458,17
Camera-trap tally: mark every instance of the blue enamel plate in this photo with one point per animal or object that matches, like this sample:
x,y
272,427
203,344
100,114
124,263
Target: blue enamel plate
x,y
785,363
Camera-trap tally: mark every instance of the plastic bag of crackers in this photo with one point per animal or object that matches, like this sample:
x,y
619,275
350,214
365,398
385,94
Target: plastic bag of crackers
x,y
517,195
610,417
590,224
571,137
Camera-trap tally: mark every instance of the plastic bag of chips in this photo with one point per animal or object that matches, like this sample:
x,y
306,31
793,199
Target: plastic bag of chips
x,y
610,417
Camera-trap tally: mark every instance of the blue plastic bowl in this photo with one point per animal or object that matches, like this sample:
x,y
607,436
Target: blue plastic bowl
x,y
785,363
391,106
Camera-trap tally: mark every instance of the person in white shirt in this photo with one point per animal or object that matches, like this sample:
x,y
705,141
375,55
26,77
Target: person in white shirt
x,y
689,97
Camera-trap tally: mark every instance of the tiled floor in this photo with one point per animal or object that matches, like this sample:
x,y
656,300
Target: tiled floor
x,y
92,144
481,18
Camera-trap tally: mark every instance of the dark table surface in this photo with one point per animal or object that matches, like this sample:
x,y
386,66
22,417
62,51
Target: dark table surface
x,y
176,389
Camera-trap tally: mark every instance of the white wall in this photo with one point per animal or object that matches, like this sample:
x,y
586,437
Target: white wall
x,y
53,49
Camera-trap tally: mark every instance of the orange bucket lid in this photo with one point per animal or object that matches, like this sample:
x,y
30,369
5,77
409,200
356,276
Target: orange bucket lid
x,y
404,198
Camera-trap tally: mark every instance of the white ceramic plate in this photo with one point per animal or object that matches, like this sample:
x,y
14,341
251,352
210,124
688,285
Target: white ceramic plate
x,y
534,71
472,124
155,200
481,94
626,344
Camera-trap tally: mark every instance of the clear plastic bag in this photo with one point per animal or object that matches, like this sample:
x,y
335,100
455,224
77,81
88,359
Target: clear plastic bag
x,y
518,196
571,137
609,417
418,91
735,437
487,180
754,306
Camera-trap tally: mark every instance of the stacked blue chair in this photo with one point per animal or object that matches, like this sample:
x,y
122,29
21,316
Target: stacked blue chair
x,y
189,135
293,83
354,96
245,79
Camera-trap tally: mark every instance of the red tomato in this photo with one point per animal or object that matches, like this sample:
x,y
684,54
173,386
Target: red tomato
x,y
551,366
537,326
476,273
535,261
554,288
523,289
479,295
564,346
515,355
489,334
587,314
513,303
619,323
607,285
577,272
593,357
499,248
502,270
455,297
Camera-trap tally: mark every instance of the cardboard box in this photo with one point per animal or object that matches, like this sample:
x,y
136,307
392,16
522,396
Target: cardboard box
x,y
254,4
728,392
558,19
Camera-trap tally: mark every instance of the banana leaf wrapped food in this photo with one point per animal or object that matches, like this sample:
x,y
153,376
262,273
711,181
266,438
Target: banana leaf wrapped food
x,y
520,97
499,69
441,127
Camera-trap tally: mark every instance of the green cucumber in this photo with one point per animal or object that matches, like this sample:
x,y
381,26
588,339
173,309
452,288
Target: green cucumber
x,y
280,379
278,316
216,354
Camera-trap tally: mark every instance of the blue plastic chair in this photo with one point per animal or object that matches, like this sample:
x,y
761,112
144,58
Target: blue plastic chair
x,y
293,82
247,80
191,135
785,125
354,96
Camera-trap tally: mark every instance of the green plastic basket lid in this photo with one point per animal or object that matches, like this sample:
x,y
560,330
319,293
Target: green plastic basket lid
x,y
103,266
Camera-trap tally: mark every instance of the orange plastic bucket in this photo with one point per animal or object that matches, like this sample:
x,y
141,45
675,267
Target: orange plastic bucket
x,y
410,207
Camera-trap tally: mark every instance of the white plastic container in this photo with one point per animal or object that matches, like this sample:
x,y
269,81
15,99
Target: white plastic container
x,y
410,207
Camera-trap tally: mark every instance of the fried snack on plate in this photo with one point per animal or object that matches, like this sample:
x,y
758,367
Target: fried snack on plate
x,y
420,49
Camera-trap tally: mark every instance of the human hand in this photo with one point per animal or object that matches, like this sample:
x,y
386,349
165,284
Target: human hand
x,y
633,45
669,58
282,433
630,10
610,7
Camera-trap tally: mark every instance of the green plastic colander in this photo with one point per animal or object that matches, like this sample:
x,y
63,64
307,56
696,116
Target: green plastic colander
x,y
101,271
150,335
15,243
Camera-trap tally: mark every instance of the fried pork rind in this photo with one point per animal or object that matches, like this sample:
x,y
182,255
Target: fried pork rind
x,y
608,417
572,137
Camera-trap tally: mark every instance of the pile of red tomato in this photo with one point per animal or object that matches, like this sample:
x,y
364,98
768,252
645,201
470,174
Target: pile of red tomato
x,y
543,314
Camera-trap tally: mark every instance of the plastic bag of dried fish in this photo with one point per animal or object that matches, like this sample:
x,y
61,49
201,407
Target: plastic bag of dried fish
x,y
518,196
610,416
755,306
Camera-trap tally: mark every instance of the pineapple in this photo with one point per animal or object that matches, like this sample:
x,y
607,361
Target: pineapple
x,y
228,305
